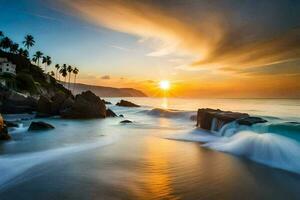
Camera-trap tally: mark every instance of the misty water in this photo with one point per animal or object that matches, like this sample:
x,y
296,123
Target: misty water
x,y
161,155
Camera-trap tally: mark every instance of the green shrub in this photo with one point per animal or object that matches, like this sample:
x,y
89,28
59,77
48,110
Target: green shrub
x,y
26,83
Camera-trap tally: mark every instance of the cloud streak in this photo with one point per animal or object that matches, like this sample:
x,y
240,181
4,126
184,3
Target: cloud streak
x,y
220,36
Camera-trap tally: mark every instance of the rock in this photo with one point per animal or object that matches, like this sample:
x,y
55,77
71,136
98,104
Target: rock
x,y
10,124
126,104
67,104
57,101
3,130
206,116
106,102
16,103
125,122
38,126
86,105
44,106
249,121
4,134
110,113
211,119
121,115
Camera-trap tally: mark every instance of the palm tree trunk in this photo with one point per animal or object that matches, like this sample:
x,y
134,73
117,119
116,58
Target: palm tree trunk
x,y
69,80
74,83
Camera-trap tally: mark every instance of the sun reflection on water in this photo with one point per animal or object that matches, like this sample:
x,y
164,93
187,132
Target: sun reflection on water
x,y
158,176
165,103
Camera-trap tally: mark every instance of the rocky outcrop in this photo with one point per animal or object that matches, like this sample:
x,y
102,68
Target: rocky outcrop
x,y
44,106
86,105
57,102
249,121
10,124
15,103
211,119
67,104
126,104
125,122
106,102
3,130
54,105
110,113
40,126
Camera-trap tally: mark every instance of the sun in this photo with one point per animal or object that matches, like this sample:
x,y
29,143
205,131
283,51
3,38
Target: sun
x,y
164,85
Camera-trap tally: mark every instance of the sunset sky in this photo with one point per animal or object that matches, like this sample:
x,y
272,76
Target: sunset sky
x,y
205,48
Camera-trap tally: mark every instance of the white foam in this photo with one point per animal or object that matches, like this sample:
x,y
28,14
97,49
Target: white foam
x,y
267,148
168,113
20,129
12,167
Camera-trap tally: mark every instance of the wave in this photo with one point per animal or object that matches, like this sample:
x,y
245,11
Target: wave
x,y
267,148
13,167
20,129
274,145
169,113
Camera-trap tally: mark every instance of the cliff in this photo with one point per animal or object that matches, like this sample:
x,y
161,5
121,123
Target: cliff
x,y
108,91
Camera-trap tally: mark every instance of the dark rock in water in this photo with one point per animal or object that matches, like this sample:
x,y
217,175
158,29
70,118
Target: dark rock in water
x,y
44,106
121,115
67,104
110,113
49,107
206,116
106,102
15,103
125,122
86,105
249,121
10,124
56,102
3,130
211,119
4,134
126,104
38,126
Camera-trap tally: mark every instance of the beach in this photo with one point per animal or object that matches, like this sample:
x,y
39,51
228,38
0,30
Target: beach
x,y
161,155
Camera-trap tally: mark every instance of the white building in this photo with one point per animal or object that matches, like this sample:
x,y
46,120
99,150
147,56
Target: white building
x,y
7,67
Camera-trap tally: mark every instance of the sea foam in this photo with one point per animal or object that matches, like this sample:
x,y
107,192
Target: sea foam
x,y
12,168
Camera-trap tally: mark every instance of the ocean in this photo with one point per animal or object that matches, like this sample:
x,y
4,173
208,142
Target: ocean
x,y
161,155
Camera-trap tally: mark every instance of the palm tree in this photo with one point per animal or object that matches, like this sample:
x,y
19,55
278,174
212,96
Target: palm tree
x,y
36,57
14,48
64,71
23,52
6,43
70,69
28,41
57,68
47,61
75,72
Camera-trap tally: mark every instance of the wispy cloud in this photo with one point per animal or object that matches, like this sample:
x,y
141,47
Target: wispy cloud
x,y
215,36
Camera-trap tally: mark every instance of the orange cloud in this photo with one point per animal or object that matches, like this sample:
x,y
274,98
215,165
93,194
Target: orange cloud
x,y
210,38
